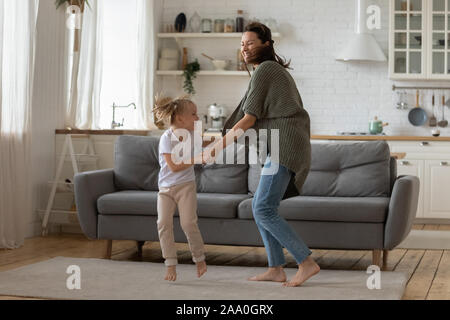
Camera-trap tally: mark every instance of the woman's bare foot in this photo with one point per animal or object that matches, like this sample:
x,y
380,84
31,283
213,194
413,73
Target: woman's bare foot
x,y
201,268
272,274
306,270
171,274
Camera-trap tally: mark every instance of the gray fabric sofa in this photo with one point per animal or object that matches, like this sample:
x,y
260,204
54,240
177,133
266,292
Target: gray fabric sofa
x,y
352,199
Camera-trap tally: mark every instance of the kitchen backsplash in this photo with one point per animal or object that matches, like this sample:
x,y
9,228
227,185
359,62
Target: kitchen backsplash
x,y
339,96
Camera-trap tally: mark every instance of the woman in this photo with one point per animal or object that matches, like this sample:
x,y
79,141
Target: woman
x,y
272,101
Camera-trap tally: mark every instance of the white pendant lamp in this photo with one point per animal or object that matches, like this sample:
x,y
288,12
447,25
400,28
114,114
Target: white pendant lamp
x,y
362,46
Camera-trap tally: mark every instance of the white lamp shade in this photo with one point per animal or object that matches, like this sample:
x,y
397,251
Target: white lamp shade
x,y
362,47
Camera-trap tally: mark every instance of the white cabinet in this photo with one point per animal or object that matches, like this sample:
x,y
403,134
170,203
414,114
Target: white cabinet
x,y
437,188
430,161
413,168
419,39
439,39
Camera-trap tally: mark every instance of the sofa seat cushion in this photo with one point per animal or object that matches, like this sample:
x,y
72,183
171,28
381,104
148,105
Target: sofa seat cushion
x,y
219,205
342,209
139,202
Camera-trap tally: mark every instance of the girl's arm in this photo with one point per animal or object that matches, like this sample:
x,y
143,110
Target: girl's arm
x,y
176,167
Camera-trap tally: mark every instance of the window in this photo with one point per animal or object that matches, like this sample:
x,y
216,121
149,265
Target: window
x,y
119,79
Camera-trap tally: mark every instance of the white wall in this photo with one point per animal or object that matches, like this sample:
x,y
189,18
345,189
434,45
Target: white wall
x,y
48,102
338,96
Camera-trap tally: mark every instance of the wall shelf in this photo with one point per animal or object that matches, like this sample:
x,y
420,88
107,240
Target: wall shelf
x,y
207,35
203,73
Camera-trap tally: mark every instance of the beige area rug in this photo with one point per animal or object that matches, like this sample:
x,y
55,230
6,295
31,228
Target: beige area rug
x,y
110,279
427,239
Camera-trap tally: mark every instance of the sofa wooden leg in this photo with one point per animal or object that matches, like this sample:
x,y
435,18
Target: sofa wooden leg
x,y
108,250
376,257
385,259
140,244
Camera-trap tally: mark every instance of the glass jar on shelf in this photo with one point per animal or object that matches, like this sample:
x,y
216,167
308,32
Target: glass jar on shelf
x,y
219,25
229,25
206,25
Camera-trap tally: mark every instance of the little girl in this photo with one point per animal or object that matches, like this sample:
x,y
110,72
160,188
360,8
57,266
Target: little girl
x,y
176,181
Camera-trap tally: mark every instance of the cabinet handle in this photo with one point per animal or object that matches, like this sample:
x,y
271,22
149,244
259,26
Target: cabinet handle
x,y
424,143
404,163
444,163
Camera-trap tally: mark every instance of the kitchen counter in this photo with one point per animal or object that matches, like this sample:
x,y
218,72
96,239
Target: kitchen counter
x,y
313,137
386,138
103,132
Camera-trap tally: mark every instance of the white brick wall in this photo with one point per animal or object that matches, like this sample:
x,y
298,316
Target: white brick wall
x,y
339,96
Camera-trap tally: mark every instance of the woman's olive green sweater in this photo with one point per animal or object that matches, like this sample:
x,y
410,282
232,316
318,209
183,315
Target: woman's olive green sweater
x,y
273,98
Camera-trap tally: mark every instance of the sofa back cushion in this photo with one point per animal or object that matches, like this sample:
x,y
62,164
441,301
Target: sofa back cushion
x,y
224,178
136,164
360,169
136,167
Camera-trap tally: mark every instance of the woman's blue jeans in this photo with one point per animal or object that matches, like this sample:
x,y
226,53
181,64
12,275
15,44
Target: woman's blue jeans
x,y
276,233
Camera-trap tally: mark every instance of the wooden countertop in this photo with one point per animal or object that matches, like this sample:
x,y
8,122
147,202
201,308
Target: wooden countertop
x,y
104,132
386,138
313,137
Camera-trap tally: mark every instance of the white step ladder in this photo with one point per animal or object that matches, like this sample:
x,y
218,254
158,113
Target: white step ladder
x,y
68,154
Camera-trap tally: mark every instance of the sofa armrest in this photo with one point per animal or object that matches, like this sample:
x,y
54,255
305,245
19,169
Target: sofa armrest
x,y
402,210
89,186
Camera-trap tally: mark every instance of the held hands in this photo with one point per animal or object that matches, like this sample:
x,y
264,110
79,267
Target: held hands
x,y
206,157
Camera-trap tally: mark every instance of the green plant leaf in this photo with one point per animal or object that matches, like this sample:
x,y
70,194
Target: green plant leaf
x,y
190,73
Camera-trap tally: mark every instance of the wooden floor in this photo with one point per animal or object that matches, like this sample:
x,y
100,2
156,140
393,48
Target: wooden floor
x,y
428,270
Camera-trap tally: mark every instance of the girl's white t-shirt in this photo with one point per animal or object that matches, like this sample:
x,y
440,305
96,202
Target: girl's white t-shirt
x,y
170,143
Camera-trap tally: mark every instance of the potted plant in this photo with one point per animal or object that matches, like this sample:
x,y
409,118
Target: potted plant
x,y
79,3
190,73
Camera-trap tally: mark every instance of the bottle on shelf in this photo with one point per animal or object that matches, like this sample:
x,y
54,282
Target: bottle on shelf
x,y
240,21
185,58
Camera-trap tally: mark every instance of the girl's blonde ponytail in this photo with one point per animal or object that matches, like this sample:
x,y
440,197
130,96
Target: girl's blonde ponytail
x,y
166,108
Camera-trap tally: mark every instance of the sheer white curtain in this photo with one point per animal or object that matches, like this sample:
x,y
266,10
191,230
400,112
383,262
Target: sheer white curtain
x,y
17,48
146,63
84,105
83,111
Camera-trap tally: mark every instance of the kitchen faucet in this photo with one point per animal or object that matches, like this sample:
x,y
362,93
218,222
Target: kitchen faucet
x,y
115,124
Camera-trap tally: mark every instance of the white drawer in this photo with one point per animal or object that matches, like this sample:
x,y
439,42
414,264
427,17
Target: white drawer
x,y
422,149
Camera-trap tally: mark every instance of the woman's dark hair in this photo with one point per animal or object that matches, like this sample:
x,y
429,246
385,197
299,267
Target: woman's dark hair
x,y
264,53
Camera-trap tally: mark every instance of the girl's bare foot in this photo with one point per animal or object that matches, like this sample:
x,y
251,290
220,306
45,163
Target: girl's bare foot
x,y
201,268
306,270
171,274
272,274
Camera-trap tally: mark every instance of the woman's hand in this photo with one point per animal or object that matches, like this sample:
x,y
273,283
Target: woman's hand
x,y
206,157
209,155
232,135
